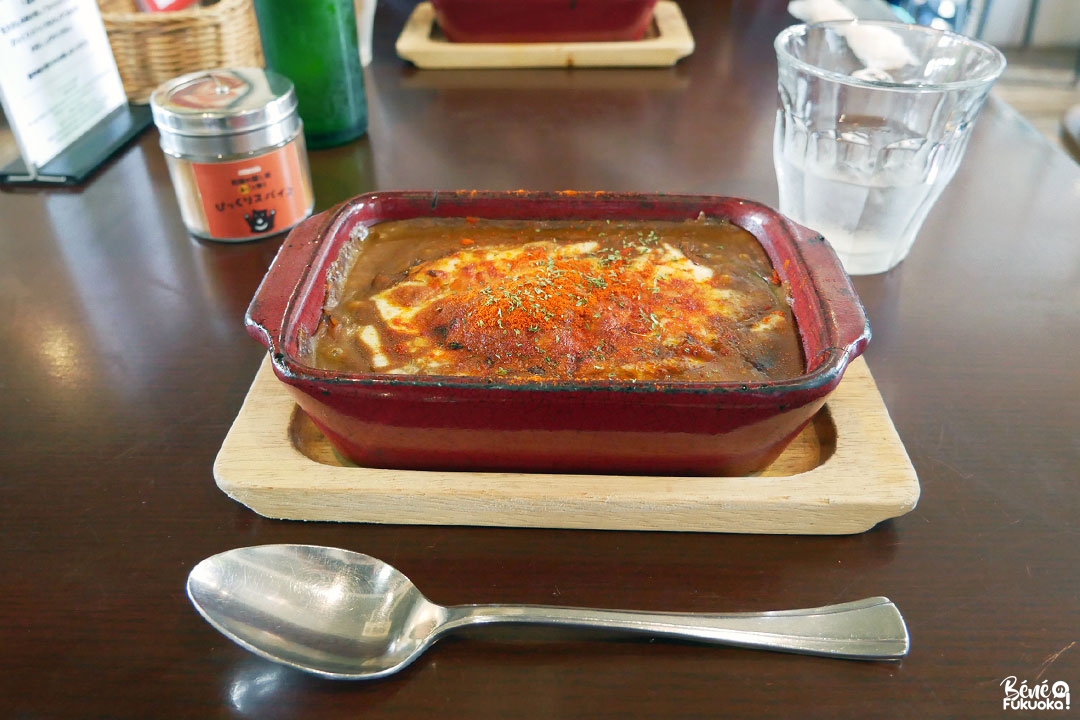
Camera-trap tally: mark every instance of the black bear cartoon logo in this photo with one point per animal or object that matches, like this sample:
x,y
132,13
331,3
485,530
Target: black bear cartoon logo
x,y
261,221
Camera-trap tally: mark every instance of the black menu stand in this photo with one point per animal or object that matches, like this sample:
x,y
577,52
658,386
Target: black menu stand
x,y
82,158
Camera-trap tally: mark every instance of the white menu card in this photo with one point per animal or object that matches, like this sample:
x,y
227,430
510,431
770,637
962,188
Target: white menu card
x,y
58,76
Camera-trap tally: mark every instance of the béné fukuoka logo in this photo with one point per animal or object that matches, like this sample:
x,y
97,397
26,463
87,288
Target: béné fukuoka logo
x,y
1040,696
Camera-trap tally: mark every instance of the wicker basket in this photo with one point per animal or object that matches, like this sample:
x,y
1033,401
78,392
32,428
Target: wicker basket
x,y
151,48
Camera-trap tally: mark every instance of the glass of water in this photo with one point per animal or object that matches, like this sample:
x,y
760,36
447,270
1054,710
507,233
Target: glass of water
x,y
873,121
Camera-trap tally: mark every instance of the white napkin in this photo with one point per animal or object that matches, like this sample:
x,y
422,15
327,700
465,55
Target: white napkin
x,y
811,11
878,48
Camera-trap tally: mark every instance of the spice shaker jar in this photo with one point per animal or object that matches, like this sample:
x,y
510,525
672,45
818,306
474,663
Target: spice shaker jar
x,y
234,144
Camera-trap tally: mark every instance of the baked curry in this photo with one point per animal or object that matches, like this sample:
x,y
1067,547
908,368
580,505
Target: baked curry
x,y
571,300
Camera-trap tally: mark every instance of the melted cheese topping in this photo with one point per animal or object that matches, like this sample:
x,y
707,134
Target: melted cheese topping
x,y
581,310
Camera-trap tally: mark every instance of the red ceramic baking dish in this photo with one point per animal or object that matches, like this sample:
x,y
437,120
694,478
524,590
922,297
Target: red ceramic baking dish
x,y
603,426
517,21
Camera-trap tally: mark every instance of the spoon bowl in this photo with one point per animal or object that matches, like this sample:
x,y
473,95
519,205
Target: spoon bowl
x,y
346,615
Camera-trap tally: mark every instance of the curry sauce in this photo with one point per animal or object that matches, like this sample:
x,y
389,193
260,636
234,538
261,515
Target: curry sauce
x,y
507,300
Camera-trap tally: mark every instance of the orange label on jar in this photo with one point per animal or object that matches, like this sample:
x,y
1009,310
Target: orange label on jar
x,y
261,195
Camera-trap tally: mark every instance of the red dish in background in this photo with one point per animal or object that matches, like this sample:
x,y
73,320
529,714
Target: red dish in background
x,y
523,21
461,423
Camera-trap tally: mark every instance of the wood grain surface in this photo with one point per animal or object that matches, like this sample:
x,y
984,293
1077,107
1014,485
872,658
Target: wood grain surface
x,y
125,363
845,473
667,41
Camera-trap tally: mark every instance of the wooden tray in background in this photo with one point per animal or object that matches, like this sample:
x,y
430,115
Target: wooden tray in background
x,y
846,472
668,41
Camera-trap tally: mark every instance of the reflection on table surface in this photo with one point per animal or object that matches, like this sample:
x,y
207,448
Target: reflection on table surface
x,y
126,361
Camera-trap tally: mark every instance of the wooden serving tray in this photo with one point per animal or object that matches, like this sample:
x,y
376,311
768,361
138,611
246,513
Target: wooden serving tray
x,y
846,472
668,41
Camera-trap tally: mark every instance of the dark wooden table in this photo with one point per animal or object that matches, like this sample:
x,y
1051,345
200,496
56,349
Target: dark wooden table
x,y
125,362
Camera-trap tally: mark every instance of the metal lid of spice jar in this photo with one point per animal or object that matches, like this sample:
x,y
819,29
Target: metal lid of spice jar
x,y
230,111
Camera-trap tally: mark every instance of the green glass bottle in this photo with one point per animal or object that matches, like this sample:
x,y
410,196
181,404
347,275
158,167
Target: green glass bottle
x,y
314,44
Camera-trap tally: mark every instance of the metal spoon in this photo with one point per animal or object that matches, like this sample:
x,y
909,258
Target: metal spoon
x,y
345,615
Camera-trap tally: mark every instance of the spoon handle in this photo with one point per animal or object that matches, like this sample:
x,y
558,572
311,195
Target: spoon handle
x,y
871,628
